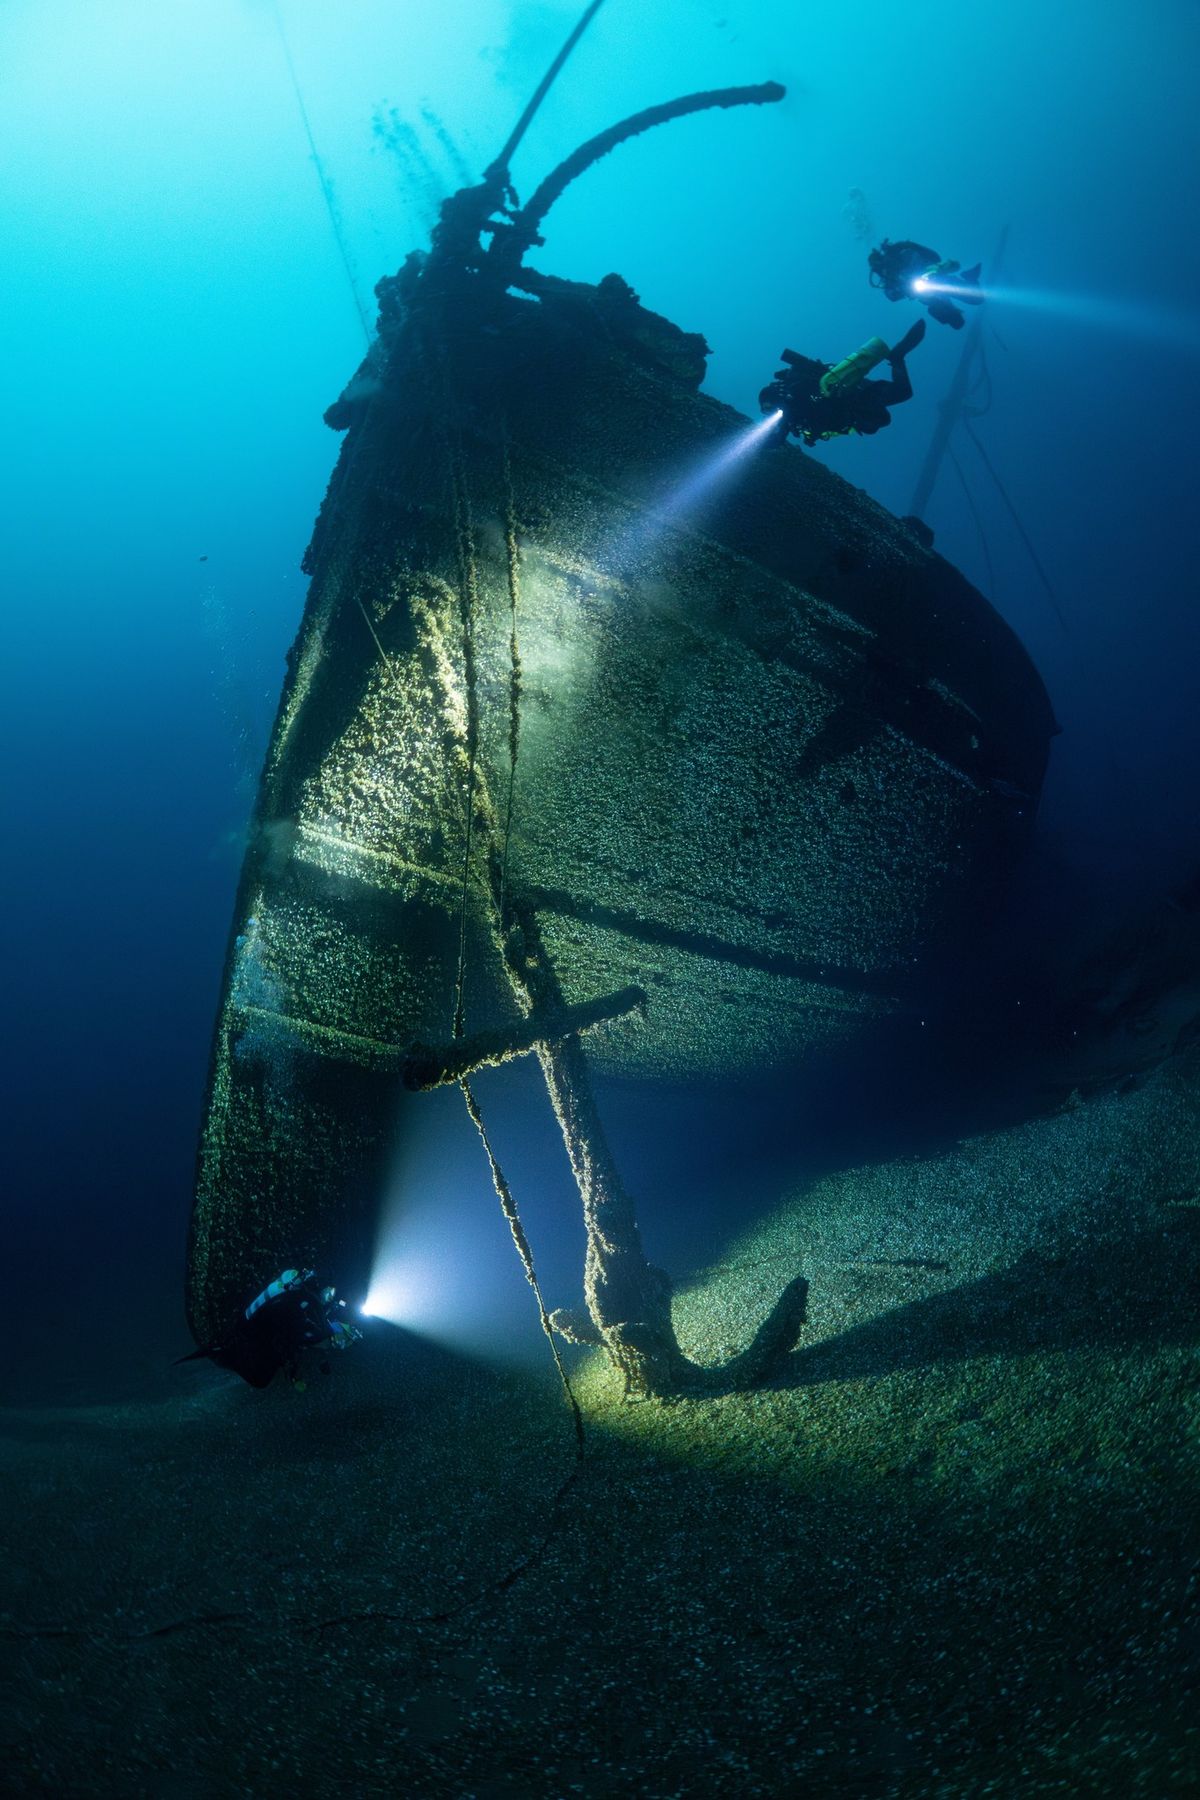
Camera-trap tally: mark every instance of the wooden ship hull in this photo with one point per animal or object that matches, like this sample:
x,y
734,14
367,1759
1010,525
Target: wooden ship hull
x,y
544,737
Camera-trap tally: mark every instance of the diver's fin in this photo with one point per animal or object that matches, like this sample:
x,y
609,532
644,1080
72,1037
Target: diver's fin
x,y
909,341
945,314
970,277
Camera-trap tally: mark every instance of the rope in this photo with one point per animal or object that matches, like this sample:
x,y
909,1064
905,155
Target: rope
x,y
387,661
508,1205
469,594
512,1574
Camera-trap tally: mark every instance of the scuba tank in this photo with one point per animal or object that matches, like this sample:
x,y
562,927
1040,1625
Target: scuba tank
x,y
289,1279
852,369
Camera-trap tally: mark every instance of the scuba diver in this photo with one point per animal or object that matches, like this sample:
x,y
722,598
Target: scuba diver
x,y
908,271
821,401
293,1313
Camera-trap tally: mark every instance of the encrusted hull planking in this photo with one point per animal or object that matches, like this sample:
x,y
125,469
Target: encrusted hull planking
x,y
547,735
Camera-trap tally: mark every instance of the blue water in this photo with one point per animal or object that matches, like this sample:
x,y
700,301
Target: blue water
x,y
176,315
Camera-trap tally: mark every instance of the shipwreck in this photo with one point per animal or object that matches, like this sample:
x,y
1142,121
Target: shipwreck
x,y
562,769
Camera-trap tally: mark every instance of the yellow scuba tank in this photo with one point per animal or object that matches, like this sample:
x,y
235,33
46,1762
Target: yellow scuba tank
x,y
852,369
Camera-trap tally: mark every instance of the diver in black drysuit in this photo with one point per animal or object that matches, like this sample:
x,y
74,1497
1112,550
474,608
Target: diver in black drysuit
x,y
293,1314
898,268
812,415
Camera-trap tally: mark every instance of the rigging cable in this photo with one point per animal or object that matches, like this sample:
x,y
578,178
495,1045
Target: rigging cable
x,y
1015,516
974,512
982,383
326,188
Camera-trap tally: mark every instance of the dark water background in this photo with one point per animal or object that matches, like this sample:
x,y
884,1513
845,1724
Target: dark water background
x,y
176,315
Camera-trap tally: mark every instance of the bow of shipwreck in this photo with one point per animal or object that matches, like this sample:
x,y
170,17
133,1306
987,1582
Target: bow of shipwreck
x,y
548,743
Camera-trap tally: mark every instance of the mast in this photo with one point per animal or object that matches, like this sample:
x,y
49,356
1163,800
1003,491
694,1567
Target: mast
x,y
951,407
